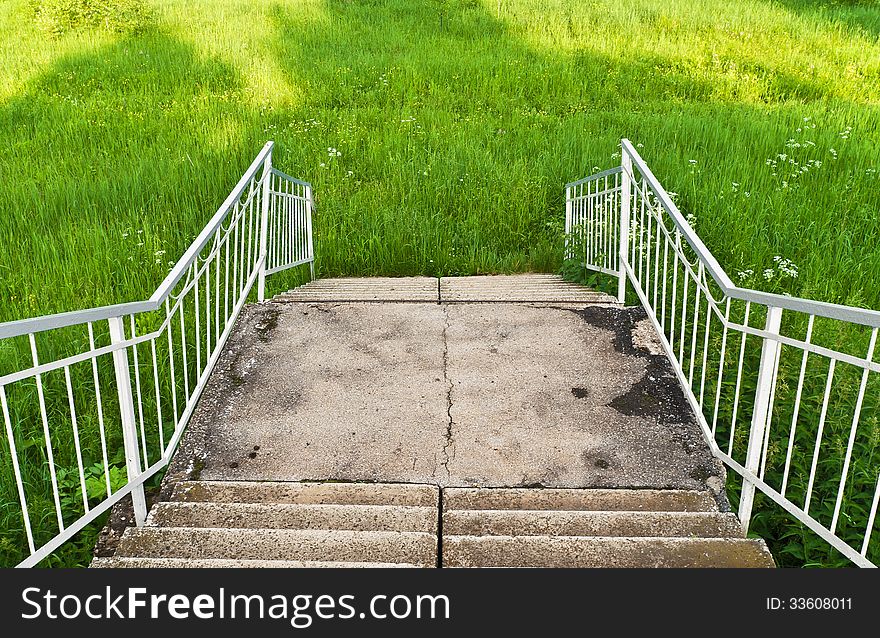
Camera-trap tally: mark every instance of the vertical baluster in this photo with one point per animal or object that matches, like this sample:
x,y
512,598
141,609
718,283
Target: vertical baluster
x,y
217,330
739,370
198,322
869,528
696,325
158,397
100,406
180,310
769,424
657,224
207,270
852,431
649,234
673,305
76,442
50,457
236,250
137,379
641,225
665,279
797,406
16,470
817,449
226,269
685,275
721,368
568,222
709,312
169,324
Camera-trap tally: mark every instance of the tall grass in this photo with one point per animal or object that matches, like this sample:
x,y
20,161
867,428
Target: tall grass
x,y
437,135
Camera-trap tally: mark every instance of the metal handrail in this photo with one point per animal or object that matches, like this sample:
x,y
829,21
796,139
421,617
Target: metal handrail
x,y
623,232
263,226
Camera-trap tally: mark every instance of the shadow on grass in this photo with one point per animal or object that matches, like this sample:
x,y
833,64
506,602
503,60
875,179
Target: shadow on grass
x,y
860,16
110,154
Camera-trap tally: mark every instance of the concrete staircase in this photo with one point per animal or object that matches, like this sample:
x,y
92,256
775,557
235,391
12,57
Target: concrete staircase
x,y
593,528
266,524
275,524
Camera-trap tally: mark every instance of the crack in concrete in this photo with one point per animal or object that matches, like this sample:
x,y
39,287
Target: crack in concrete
x,y
450,439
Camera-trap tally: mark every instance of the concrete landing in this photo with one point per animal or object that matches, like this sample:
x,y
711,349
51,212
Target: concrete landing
x,y
572,393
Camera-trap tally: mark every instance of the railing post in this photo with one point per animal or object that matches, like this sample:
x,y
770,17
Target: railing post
x,y
568,250
761,414
625,205
127,418
309,231
264,225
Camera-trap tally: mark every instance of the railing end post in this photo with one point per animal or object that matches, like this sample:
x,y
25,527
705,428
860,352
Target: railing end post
x,y
761,415
264,224
127,419
625,205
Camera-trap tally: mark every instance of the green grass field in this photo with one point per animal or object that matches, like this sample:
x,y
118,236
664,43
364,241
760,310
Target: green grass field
x,y
437,134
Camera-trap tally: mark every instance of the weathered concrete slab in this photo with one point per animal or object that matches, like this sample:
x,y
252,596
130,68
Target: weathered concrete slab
x,y
324,391
518,288
581,551
117,562
375,518
567,523
416,548
560,396
367,289
459,394
593,500
283,493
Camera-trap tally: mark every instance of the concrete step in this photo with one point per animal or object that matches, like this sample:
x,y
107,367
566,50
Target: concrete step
x,y
419,289
413,495
584,523
279,544
127,562
579,551
578,500
295,516
538,288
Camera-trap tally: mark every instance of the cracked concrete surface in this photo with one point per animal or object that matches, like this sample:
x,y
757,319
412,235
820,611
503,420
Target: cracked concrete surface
x,y
564,395
449,444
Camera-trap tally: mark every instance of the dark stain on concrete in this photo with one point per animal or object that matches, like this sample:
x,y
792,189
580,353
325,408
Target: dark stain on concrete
x,y
268,321
657,395
597,459
580,393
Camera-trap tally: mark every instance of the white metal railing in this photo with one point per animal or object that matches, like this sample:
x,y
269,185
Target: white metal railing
x,y
85,393
784,389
